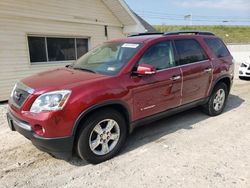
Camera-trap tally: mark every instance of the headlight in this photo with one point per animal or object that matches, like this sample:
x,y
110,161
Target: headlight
x,y
50,101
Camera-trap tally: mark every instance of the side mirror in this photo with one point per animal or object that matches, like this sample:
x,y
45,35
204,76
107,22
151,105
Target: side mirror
x,y
145,69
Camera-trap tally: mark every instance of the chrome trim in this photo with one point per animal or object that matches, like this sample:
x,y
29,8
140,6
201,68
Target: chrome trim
x,y
212,78
208,70
174,78
203,61
19,123
11,101
24,87
148,107
182,80
179,66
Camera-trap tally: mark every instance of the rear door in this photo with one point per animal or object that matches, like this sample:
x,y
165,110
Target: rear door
x,y
221,57
196,69
156,93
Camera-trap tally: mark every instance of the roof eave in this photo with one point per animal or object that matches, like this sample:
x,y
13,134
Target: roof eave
x,y
133,25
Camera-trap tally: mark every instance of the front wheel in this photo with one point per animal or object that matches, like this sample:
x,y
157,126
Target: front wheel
x,y
102,136
217,100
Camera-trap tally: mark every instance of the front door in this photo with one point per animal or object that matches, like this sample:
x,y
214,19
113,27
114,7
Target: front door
x,y
159,92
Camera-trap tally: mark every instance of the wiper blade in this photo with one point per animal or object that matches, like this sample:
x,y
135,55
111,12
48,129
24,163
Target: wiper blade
x,y
83,69
69,66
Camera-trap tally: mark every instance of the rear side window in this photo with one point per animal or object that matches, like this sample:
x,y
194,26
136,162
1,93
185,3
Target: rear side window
x,y
189,51
217,47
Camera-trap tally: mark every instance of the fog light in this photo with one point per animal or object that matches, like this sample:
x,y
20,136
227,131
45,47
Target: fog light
x,y
240,72
39,130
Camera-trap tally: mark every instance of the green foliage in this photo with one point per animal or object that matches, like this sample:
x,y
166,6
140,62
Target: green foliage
x,y
230,34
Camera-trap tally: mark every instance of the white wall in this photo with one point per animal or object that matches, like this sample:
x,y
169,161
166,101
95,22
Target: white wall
x,y
75,18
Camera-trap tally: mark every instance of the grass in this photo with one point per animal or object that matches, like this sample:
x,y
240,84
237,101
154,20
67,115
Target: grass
x,y
230,34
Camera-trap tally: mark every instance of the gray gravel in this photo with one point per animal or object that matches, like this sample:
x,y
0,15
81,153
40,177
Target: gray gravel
x,y
3,109
187,150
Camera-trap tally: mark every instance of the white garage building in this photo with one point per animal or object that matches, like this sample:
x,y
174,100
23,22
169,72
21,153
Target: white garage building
x,y
39,35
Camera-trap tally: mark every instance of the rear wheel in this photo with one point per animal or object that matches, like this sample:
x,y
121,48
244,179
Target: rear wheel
x,y
217,100
102,136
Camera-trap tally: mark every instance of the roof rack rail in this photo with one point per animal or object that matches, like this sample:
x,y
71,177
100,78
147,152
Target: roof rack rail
x,y
142,34
194,32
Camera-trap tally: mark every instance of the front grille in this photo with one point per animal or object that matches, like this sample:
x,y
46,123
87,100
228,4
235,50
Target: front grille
x,y
19,94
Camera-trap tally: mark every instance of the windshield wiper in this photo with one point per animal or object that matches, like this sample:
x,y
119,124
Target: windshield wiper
x,y
83,69
69,66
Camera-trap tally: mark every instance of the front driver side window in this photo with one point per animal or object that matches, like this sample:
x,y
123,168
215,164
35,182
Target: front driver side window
x,y
160,55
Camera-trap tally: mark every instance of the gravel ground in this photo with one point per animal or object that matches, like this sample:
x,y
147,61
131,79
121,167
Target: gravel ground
x,y
186,150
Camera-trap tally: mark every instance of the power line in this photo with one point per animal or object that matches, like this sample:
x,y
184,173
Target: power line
x,y
197,18
154,13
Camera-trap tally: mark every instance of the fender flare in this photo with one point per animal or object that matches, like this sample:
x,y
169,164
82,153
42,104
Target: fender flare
x,y
215,82
101,105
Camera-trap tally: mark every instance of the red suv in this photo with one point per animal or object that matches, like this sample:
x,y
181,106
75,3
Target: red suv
x,y
92,105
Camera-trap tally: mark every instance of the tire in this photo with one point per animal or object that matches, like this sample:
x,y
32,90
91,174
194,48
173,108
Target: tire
x,y
96,143
217,102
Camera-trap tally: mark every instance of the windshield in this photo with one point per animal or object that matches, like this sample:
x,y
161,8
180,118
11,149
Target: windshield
x,y
107,59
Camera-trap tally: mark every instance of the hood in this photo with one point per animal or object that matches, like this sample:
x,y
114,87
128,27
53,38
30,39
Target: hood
x,y
63,78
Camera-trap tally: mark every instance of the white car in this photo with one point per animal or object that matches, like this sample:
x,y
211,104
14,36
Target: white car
x,y
244,70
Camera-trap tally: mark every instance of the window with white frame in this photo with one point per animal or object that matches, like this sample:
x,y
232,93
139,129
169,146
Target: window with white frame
x,y
53,49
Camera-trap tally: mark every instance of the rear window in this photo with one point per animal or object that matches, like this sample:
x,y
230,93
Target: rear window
x,y
189,51
217,47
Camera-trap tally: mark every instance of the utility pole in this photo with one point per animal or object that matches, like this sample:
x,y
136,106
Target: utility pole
x,y
190,18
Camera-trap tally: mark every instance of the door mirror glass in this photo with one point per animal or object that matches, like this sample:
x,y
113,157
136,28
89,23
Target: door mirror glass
x,y
145,69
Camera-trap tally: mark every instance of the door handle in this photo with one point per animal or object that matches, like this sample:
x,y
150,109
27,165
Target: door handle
x,y
175,78
208,70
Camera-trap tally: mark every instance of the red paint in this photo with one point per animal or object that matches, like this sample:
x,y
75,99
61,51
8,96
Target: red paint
x,y
143,95
145,69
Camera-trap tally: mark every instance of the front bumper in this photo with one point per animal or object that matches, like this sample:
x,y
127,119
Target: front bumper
x,y
58,147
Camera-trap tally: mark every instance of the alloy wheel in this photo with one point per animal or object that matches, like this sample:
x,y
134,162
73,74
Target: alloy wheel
x,y
104,137
219,99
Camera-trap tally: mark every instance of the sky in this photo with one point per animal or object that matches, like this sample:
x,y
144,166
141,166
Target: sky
x,y
196,12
